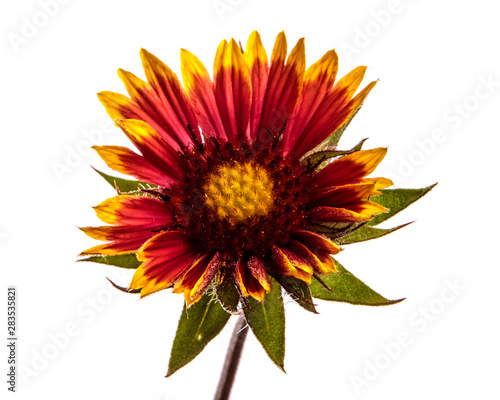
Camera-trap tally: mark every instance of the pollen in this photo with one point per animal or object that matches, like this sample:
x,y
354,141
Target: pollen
x,y
239,191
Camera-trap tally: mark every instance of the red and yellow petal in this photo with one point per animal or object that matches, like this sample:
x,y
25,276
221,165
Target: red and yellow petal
x,y
120,107
291,267
306,254
164,258
251,278
200,91
327,261
335,214
177,113
123,239
127,162
256,60
283,86
144,95
136,219
348,169
340,196
318,81
196,280
152,146
335,109
314,242
134,211
233,90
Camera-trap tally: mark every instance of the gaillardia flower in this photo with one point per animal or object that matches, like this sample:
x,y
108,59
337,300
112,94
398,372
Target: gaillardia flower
x,y
236,187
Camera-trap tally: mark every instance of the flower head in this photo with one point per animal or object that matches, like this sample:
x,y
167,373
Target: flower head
x,y
236,190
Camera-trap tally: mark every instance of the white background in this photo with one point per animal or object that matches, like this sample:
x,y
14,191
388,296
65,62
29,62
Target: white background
x,y
433,59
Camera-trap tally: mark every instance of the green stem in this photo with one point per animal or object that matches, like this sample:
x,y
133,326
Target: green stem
x,y
232,360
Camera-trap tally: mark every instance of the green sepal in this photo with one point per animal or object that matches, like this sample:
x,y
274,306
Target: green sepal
x,y
298,290
345,287
198,325
396,200
319,157
121,260
267,321
228,295
367,233
124,185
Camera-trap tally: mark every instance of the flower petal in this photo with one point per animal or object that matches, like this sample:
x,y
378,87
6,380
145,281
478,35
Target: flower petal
x,y
315,242
127,162
248,283
348,169
177,113
165,257
335,214
258,270
283,86
300,270
146,98
256,59
119,106
232,89
196,280
335,109
126,210
341,196
318,81
152,146
201,95
302,251
136,220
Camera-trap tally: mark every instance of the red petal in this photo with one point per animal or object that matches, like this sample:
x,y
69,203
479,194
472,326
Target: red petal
x,y
340,196
165,257
127,162
194,283
348,169
283,86
318,81
256,59
144,96
176,111
232,88
153,147
315,242
201,95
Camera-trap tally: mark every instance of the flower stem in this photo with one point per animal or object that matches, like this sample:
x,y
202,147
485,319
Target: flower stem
x,y
232,360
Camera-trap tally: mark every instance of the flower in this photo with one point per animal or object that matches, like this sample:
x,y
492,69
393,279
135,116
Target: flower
x,y
236,190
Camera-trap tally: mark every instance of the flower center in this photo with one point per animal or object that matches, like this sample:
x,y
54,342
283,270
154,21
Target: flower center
x,y
239,191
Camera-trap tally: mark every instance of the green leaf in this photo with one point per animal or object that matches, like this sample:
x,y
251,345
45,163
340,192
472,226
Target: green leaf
x,y
345,287
124,185
198,325
367,233
120,260
228,295
267,321
396,200
298,290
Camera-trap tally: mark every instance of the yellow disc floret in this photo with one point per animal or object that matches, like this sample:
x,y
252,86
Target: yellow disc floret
x,y
239,191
